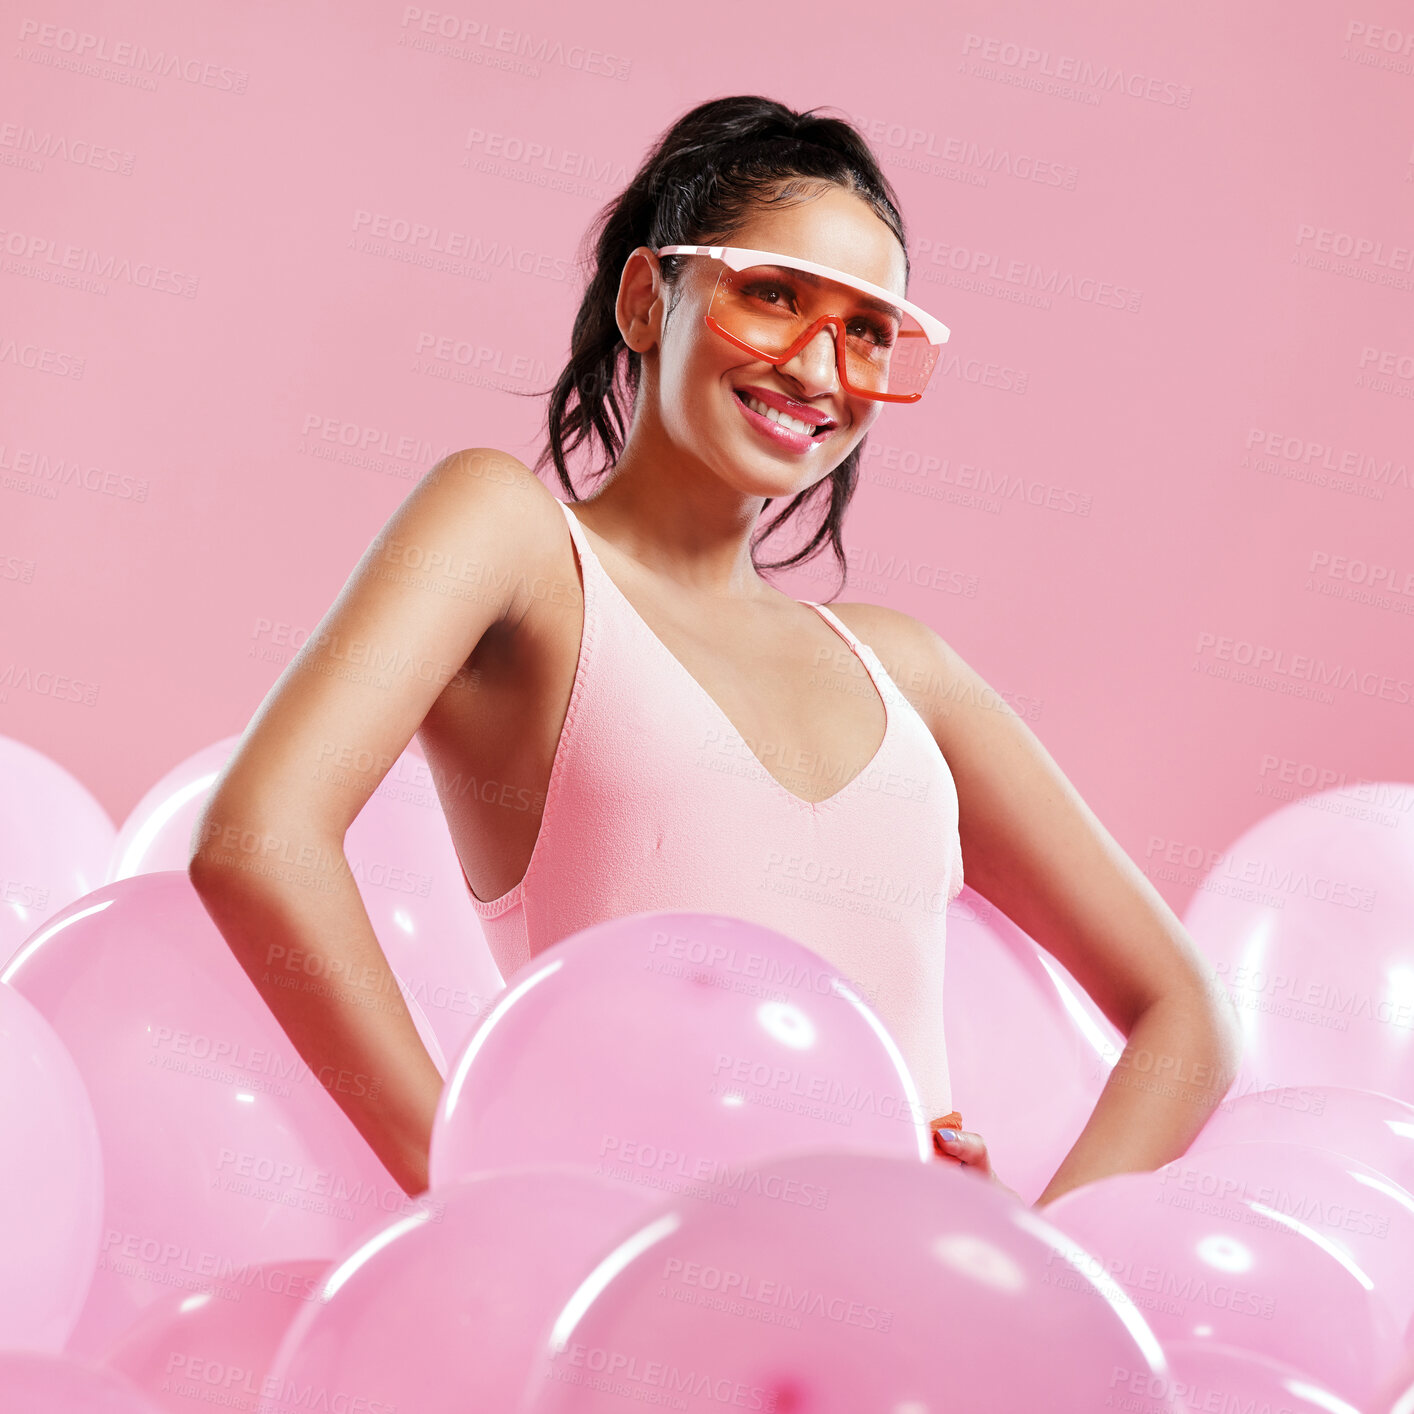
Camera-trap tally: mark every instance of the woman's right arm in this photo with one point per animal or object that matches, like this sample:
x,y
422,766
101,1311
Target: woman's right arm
x,y
267,854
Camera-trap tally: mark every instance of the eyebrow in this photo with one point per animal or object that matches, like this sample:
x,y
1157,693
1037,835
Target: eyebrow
x,y
869,301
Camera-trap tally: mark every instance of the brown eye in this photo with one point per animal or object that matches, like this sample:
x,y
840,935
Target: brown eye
x,y
766,291
874,332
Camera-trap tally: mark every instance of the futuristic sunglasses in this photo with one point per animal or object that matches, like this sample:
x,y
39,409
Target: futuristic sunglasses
x,y
772,305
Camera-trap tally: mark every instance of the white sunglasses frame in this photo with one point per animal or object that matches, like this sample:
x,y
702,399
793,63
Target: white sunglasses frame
x,y
740,257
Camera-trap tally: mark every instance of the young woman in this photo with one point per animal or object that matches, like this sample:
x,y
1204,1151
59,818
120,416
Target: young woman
x,y
621,713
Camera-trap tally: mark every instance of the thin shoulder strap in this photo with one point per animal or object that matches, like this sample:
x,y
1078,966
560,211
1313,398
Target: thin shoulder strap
x,y
576,530
838,622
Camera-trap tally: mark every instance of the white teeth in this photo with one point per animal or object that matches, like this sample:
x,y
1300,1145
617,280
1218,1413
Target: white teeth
x,y
794,423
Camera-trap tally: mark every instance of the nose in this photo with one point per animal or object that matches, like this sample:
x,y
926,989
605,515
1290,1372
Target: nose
x,y
813,366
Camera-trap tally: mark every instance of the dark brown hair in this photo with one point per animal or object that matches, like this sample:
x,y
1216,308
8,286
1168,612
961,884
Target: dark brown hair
x,y
698,185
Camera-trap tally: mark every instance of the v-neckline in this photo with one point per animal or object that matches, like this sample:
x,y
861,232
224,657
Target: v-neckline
x,y
721,712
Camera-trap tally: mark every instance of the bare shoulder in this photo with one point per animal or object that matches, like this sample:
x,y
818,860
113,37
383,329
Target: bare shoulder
x,y
489,482
488,509
468,548
925,667
1033,846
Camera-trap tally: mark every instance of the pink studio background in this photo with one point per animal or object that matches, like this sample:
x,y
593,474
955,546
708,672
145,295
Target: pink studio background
x,y
264,265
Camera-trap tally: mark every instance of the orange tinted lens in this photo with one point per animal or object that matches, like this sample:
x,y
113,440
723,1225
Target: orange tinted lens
x,y
770,306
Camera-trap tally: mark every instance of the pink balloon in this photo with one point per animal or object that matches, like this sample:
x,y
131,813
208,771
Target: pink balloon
x,y
842,1282
192,1350
1229,1273
51,1181
403,861
157,834
1363,1124
1001,983
445,1312
220,1147
1224,1377
1352,1207
667,1048
1307,922
54,838
1396,1392
34,1383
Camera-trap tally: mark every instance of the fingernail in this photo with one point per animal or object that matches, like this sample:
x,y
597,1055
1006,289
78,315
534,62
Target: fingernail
x,y
948,1136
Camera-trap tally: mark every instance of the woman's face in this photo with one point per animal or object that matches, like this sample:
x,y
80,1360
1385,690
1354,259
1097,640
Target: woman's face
x,y
702,380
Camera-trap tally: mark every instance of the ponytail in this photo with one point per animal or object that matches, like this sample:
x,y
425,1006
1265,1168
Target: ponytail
x,y
702,181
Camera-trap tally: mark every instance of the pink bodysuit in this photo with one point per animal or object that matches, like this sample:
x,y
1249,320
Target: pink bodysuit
x,y
655,801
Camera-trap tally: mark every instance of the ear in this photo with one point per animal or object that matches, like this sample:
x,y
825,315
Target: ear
x,y
642,300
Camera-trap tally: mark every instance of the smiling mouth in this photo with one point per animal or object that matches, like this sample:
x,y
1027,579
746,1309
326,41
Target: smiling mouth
x,y
792,424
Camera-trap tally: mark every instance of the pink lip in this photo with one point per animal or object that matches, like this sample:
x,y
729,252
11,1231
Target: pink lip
x,y
782,437
781,403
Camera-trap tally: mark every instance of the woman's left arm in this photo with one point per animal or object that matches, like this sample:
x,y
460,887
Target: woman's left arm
x,y
1034,848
